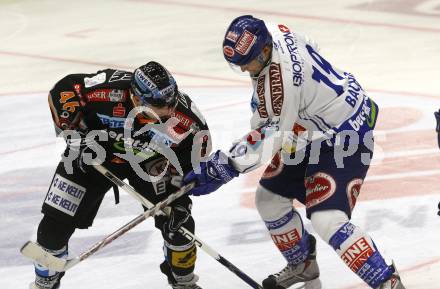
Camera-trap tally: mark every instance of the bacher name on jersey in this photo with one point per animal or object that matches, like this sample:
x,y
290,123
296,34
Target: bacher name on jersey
x,y
299,97
101,101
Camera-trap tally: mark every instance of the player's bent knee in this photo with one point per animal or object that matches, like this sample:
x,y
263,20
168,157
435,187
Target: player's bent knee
x,y
271,206
327,222
53,234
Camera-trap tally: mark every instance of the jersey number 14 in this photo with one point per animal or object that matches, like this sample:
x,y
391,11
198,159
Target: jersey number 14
x,y
328,69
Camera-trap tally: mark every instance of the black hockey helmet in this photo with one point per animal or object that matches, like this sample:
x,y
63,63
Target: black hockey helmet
x,y
154,85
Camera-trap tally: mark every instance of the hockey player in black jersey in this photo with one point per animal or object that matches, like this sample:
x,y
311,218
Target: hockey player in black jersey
x,y
94,113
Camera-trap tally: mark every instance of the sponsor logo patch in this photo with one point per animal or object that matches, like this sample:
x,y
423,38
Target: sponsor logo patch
x,y
255,136
184,120
160,137
353,190
116,95
120,75
144,80
287,240
113,95
184,259
112,122
298,129
319,188
276,88
228,51
95,80
77,88
119,110
97,95
245,43
262,110
357,254
283,28
297,62
274,168
65,195
232,36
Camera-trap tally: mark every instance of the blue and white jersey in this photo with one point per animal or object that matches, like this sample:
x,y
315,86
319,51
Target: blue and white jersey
x,y
300,97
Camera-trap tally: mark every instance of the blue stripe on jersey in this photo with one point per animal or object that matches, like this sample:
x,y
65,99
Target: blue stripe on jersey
x,y
323,121
313,121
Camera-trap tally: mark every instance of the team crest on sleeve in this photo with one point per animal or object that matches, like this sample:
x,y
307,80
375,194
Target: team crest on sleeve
x,y
319,188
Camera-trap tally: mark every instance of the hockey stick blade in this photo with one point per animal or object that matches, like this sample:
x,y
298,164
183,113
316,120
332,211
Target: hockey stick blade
x,y
35,252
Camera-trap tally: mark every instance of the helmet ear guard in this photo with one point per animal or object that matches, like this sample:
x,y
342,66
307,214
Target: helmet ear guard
x,y
245,39
154,85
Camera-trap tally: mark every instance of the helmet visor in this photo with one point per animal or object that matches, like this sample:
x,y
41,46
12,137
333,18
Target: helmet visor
x,y
156,97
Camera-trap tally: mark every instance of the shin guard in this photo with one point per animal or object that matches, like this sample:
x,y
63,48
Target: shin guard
x,y
290,237
360,254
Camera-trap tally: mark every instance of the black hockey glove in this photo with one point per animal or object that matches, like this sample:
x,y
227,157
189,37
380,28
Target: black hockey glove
x,y
179,213
81,151
79,161
178,216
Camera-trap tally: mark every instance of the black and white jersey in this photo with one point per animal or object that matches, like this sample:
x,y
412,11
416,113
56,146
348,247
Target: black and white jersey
x,y
101,101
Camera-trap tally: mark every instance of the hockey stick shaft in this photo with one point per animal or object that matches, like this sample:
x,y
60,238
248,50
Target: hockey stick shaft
x,y
185,232
38,254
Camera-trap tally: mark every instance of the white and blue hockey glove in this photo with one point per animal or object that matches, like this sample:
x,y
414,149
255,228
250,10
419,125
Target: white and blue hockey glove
x,y
214,173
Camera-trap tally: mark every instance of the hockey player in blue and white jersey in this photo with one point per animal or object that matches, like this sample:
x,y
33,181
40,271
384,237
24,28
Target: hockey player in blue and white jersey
x,y
315,122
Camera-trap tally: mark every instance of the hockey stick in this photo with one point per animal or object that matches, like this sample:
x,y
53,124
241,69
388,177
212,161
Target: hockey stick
x,y
35,252
190,236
